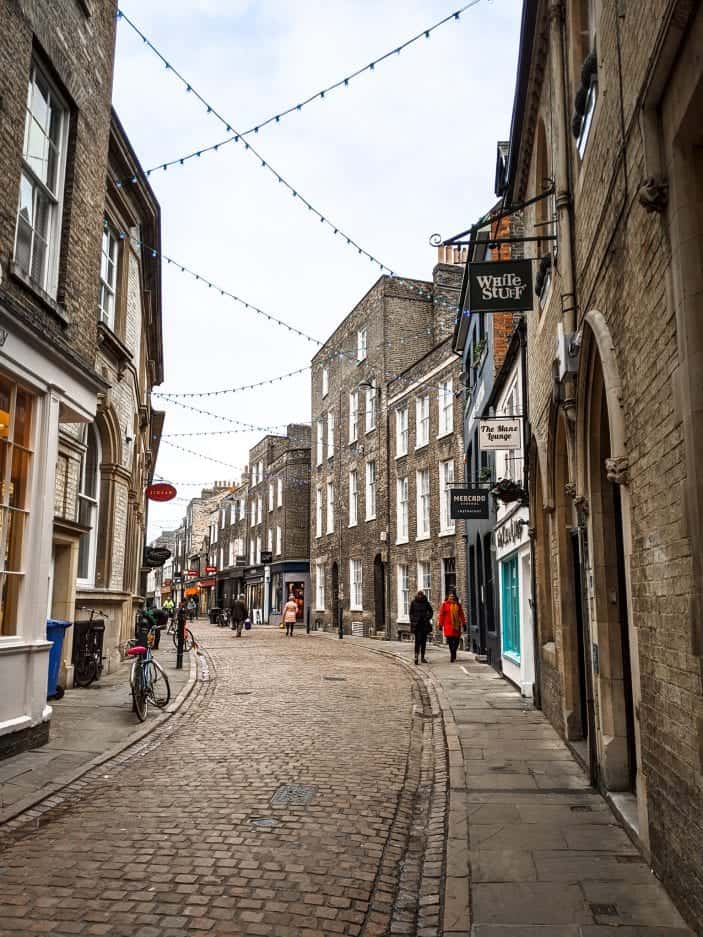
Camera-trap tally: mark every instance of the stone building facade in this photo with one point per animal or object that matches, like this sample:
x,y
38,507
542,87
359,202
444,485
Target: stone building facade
x,y
396,323
608,107
56,65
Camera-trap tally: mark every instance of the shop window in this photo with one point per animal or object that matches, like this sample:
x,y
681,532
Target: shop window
x,y
88,496
16,413
38,237
510,607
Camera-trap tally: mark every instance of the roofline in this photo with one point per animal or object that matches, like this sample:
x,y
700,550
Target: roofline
x,y
506,367
527,35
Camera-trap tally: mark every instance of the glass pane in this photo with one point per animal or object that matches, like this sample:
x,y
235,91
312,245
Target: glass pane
x,y
90,473
5,466
42,213
19,479
23,419
37,150
5,405
14,522
9,593
52,167
38,260
26,209
84,556
40,99
23,248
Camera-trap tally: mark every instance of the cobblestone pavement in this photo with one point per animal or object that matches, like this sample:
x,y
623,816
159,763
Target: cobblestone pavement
x,y
301,790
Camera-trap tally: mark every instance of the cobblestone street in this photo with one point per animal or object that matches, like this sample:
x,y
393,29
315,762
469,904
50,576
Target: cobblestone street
x,y
277,802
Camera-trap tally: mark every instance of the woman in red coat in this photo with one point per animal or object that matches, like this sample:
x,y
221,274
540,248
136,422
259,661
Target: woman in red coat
x,y
452,620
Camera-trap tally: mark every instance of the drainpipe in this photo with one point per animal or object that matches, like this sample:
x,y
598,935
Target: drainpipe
x,y
563,189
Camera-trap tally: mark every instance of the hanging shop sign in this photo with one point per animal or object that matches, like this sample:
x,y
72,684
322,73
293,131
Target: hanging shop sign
x,y
266,557
207,583
511,533
500,433
500,286
210,570
468,504
161,491
241,561
193,573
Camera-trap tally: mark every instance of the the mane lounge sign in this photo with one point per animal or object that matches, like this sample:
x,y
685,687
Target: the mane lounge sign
x,y
500,286
499,433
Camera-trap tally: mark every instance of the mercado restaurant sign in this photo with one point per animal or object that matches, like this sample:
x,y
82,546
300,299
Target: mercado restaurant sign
x,y
500,286
503,432
468,504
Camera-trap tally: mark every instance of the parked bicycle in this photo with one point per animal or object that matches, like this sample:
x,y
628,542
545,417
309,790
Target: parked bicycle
x,y
189,641
223,618
147,679
88,663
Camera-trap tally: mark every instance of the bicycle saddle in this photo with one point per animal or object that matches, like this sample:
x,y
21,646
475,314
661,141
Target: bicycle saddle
x,y
136,651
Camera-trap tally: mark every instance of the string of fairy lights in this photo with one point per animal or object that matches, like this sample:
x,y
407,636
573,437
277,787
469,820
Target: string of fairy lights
x,y
236,137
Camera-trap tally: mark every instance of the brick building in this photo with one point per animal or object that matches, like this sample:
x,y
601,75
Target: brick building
x,y
608,107
56,66
353,485
277,512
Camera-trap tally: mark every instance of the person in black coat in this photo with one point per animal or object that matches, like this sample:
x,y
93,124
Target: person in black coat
x,y
420,624
239,613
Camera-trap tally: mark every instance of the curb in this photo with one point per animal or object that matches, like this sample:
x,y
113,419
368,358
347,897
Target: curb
x,y
49,790
456,903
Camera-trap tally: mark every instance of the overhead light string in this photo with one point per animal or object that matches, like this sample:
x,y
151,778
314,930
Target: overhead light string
x,y
320,95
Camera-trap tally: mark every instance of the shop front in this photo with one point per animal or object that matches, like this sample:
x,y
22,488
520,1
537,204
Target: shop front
x,y
208,595
230,584
515,576
290,580
255,592
38,390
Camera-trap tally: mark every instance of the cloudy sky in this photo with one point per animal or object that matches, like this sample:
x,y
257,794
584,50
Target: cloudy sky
x,y
404,151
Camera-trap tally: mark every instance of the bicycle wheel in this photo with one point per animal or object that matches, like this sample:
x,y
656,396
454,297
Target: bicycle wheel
x,y
140,702
158,688
188,640
86,671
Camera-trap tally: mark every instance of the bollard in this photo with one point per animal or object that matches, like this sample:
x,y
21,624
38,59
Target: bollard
x,y
340,625
181,636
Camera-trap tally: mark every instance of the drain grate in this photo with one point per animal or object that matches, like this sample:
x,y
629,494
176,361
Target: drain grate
x,y
334,678
629,860
293,795
581,808
242,693
264,823
604,910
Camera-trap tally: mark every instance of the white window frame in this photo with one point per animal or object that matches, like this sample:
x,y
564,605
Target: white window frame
x,y
403,591
320,448
252,514
422,421
330,435
270,497
424,578
89,506
269,539
401,520
252,552
325,382
109,260
279,540
330,507
401,431
371,482
370,412
259,509
318,511
446,407
353,416
446,479
356,586
362,339
258,548
353,498
423,487
279,493
320,586
53,198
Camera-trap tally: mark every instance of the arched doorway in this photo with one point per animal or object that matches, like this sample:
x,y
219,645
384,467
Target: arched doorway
x,y
379,593
612,663
335,595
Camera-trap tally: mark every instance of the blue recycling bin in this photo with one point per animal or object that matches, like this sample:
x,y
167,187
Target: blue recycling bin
x,y
55,631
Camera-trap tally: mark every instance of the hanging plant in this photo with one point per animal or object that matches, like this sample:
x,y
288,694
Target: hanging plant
x,y
508,491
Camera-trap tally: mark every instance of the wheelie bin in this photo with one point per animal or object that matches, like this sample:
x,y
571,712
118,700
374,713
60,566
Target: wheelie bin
x,y
55,631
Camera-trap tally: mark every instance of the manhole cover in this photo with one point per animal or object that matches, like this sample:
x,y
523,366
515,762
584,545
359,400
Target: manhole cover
x,y
296,795
604,910
264,823
581,808
334,678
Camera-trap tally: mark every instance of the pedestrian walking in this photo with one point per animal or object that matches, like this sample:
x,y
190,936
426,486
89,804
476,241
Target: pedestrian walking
x,y
452,620
420,624
240,613
290,615
191,609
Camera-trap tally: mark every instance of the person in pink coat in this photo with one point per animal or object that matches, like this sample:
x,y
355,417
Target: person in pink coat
x,y
290,615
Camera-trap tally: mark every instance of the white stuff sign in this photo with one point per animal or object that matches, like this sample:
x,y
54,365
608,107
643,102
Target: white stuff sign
x,y
500,433
500,286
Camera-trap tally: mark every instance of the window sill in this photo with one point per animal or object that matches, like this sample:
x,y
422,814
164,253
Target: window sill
x,y
355,524
399,543
356,608
512,657
371,517
421,537
447,432
401,455
371,429
330,532
447,533
46,300
402,621
422,445
318,609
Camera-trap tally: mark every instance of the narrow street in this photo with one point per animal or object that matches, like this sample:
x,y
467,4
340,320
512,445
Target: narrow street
x,y
310,786
277,802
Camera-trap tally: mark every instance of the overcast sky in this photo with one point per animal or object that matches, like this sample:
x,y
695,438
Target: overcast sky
x,y
404,151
